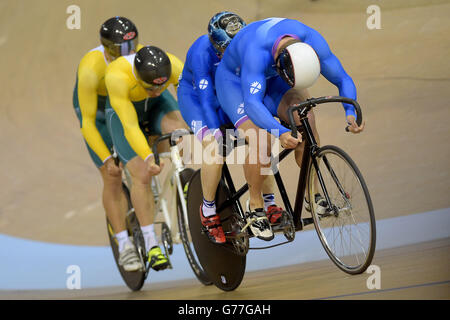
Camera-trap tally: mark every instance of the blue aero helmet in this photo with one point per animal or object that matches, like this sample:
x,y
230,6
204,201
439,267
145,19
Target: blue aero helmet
x,y
222,27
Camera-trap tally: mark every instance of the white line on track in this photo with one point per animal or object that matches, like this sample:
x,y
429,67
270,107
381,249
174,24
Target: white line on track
x,y
70,214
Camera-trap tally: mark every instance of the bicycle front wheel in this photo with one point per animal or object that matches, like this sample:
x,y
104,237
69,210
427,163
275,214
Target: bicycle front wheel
x,y
134,280
347,228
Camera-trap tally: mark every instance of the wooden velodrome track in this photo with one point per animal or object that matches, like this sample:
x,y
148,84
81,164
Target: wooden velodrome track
x,y
51,190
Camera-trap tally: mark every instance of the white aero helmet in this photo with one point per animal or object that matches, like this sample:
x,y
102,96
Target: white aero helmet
x,y
298,64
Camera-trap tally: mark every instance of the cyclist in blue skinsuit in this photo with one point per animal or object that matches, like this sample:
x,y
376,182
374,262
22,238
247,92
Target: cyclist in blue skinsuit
x,y
201,110
267,67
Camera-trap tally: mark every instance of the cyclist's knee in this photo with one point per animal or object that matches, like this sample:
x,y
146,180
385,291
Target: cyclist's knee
x,y
138,171
172,121
299,150
210,151
141,178
110,176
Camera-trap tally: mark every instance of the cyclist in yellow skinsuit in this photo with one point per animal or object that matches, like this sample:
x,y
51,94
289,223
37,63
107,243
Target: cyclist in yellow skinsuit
x,y
137,96
119,36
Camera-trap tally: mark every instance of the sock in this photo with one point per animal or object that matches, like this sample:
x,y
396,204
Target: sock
x,y
122,238
269,200
149,236
208,208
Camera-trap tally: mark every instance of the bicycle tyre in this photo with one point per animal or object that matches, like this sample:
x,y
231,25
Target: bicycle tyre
x,y
135,279
189,249
322,153
223,266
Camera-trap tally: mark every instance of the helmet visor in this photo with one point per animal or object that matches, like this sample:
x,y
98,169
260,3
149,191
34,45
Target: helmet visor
x,y
120,49
285,68
231,23
156,85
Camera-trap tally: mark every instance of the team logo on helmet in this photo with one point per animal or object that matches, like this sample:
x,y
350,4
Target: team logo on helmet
x,y
160,80
129,35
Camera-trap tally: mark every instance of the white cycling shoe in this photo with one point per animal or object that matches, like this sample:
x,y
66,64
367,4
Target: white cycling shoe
x,y
129,259
321,204
260,225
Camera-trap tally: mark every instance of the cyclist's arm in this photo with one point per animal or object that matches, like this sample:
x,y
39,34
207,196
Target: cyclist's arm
x,y
332,70
87,97
207,95
118,95
253,83
209,103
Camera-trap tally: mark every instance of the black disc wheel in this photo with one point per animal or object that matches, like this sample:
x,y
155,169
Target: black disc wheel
x,y
185,231
222,264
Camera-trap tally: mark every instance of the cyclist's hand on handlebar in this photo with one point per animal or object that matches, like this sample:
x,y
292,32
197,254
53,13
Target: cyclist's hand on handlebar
x,y
353,126
288,141
152,167
112,168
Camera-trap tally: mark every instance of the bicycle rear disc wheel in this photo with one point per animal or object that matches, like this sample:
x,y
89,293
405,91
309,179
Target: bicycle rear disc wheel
x,y
134,280
348,231
224,267
185,232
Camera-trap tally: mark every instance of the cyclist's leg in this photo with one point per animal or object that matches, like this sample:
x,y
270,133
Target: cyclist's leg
x,y
165,114
113,197
230,96
141,195
164,117
258,160
256,166
140,192
291,97
211,160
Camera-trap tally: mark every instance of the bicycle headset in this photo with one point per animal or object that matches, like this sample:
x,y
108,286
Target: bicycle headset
x,y
222,27
298,64
119,36
153,66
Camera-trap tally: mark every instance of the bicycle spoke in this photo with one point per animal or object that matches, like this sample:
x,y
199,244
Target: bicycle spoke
x,y
346,231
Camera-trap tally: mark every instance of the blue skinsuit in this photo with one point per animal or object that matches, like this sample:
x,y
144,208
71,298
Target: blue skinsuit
x,y
196,92
247,76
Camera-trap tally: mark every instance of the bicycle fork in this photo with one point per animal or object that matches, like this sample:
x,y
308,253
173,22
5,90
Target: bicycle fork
x,y
313,151
178,164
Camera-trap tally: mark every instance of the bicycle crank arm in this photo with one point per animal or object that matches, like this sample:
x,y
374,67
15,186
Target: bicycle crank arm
x,y
233,235
272,246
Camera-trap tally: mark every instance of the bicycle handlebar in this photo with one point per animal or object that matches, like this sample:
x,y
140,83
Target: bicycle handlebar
x,y
174,136
311,103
